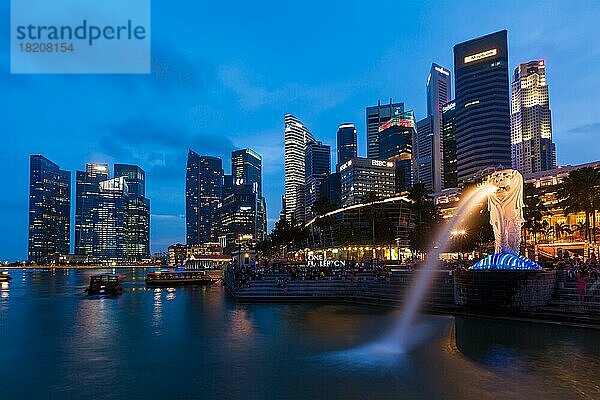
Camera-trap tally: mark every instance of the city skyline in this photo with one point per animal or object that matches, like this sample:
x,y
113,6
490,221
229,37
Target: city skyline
x,y
126,137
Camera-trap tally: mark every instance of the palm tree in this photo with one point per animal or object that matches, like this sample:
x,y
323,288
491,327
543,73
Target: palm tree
x,y
561,229
533,211
580,191
426,217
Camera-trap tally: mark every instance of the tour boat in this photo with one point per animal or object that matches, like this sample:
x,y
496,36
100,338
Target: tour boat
x,y
4,276
179,278
106,284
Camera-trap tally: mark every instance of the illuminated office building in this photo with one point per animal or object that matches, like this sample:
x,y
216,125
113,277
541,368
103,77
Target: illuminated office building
x,y
49,210
438,94
377,115
346,143
424,150
482,104
449,145
112,216
239,216
360,176
396,138
296,137
531,125
246,168
203,193
318,166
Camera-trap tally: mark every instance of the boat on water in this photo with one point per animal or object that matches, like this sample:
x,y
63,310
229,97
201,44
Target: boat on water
x,y
179,277
105,284
4,276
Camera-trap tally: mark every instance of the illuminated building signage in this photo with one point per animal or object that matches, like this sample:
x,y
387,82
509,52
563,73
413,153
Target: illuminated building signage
x,y
381,163
471,103
481,56
449,106
403,122
345,165
318,260
442,71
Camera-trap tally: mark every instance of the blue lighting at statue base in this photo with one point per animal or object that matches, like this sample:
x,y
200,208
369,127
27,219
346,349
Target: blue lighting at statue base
x,y
505,261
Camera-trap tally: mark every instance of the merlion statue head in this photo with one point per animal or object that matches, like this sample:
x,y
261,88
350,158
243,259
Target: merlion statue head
x,y
506,209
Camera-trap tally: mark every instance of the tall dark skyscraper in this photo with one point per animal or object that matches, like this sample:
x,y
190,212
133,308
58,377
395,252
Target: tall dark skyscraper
x,y
318,167
203,192
246,168
438,94
396,138
377,115
425,152
346,143
449,144
49,210
482,104
134,176
87,189
137,216
112,215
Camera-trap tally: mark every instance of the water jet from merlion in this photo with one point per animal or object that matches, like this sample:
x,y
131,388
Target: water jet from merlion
x,y
504,192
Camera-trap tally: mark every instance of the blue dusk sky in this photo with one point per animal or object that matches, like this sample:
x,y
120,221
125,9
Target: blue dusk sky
x,y
225,73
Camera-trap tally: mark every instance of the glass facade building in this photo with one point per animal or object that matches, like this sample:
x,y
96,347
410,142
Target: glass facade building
x,y
203,193
424,150
318,166
396,139
482,104
449,145
438,94
112,217
531,125
346,143
377,115
246,168
49,210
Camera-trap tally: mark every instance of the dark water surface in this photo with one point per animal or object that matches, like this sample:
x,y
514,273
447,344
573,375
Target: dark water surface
x,y
196,343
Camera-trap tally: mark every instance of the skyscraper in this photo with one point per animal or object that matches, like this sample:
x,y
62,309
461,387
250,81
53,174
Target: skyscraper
x,y
482,104
137,216
396,139
346,143
203,192
438,94
134,176
239,215
296,137
318,166
425,150
112,220
49,210
87,187
531,125
377,115
449,144
246,168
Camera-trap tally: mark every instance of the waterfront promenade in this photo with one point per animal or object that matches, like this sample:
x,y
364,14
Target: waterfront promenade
x,y
567,305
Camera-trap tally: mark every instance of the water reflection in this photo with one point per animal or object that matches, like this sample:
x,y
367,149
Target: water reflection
x,y
66,343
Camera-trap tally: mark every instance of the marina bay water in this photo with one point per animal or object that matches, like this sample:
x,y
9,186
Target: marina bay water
x,y
56,343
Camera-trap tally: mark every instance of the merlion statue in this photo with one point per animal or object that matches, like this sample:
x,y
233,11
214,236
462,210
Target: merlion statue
x,y
506,210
